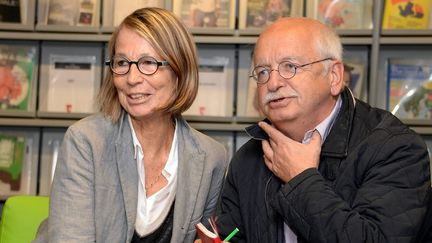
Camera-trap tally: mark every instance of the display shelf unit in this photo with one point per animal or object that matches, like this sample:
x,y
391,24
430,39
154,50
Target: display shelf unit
x,y
375,45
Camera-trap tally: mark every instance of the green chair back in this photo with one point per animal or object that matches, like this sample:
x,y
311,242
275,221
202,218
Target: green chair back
x,y
21,217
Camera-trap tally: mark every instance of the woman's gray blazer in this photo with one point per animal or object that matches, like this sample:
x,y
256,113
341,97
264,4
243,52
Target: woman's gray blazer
x,y
95,187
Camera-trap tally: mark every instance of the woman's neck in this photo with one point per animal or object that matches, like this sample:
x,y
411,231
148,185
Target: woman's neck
x,y
155,134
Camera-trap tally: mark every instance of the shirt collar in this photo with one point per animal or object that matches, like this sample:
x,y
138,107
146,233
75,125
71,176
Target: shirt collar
x,y
137,145
325,126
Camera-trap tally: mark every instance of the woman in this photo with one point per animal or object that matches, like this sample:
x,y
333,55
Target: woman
x,y
137,171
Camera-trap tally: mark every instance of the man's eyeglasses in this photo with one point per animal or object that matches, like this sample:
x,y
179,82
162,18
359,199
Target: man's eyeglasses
x,y
285,69
146,65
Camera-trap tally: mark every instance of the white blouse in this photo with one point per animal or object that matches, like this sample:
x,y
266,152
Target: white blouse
x,y
152,211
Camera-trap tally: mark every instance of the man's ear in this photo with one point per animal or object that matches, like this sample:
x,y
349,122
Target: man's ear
x,y
336,73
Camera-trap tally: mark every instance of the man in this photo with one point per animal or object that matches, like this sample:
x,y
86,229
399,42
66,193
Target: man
x,y
323,166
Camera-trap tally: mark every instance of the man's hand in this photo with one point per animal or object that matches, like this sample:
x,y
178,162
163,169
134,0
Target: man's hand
x,y
287,158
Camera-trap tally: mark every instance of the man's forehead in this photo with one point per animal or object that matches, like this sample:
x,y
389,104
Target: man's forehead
x,y
283,51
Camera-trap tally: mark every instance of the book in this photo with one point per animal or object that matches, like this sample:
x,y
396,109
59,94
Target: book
x,y
213,88
342,14
10,11
17,170
206,13
17,66
258,13
71,84
404,14
12,155
206,235
62,12
86,15
124,8
410,88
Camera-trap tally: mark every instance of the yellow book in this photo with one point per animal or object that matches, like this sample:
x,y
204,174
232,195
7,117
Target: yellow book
x,y
406,14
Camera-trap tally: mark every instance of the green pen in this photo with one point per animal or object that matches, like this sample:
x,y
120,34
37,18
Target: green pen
x,y
231,235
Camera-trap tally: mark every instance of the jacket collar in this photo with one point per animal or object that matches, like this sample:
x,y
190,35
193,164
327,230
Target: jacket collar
x,y
128,172
127,169
190,173
336,144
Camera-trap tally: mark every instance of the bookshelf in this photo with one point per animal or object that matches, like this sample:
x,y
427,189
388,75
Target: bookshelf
x,y
371,46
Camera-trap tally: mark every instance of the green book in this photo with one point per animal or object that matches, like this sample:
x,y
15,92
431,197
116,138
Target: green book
x,y
12,155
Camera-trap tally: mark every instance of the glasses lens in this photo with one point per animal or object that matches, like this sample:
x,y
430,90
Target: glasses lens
x,y
120,65
287,69
147,65
261,74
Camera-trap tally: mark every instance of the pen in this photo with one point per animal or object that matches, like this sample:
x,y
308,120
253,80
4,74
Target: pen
x,y
231,235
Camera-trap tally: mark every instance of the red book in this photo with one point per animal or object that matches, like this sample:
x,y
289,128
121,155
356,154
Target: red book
x,y
206,235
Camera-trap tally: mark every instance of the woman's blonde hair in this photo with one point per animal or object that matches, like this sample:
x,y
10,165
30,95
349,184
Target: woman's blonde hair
x,y
171,40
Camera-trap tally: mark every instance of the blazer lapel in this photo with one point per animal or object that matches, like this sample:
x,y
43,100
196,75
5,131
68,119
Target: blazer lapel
x,y
190,171
127,169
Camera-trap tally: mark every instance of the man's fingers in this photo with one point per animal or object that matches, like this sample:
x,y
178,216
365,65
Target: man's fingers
x,y
268,163
268,154
267,149
270,130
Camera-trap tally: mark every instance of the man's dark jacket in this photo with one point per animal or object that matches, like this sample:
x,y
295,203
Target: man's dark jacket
x,y
372,185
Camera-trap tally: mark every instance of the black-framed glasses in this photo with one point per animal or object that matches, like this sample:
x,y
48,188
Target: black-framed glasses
x,y
146,65
286,70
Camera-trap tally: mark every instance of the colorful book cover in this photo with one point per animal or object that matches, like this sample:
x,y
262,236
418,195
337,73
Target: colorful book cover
x,y
262,13
206,13
12,155
17,65
86,12
406,14
410,88
343,14
62,12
